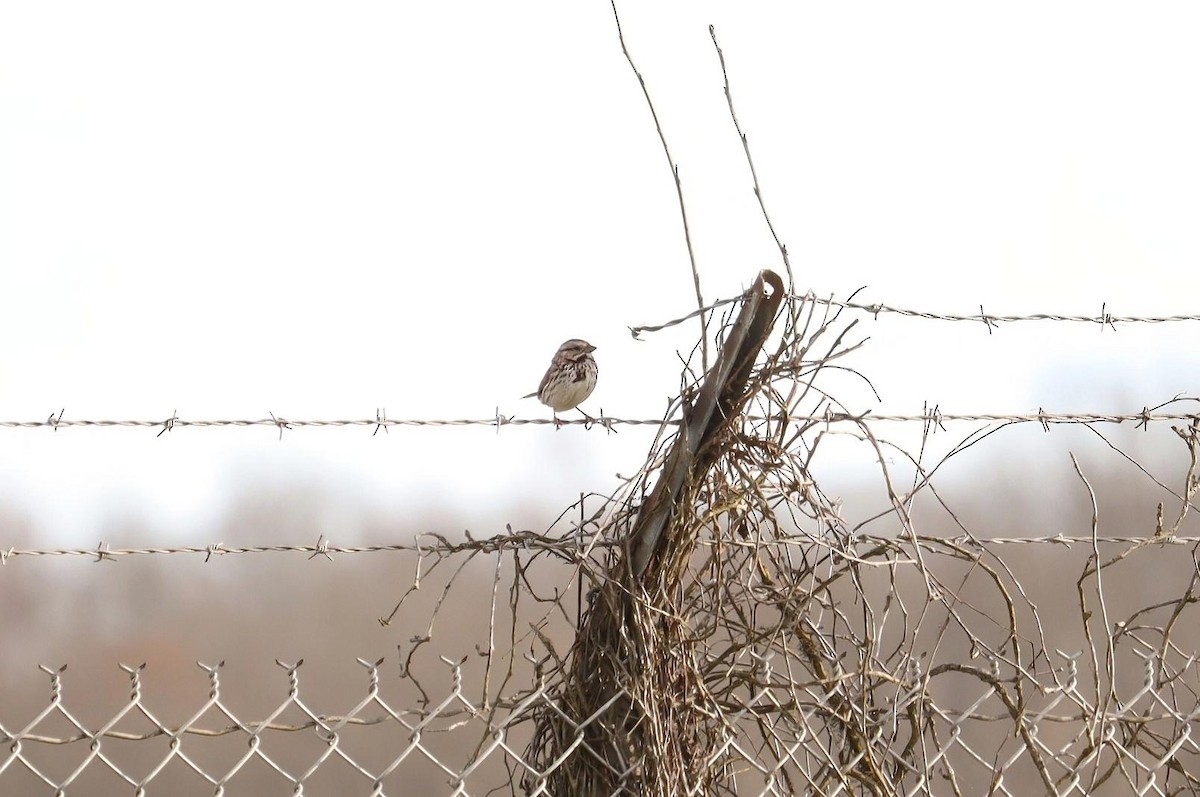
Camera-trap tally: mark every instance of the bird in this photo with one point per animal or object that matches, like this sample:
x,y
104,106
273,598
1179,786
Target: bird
x,y
570,379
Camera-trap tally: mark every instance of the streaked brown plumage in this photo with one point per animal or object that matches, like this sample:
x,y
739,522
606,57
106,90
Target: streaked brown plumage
x,y
571,377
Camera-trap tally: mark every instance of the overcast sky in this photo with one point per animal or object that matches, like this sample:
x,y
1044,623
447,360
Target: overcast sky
x,y
320,209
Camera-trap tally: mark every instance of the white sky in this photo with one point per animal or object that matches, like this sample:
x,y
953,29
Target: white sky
x,y
320,209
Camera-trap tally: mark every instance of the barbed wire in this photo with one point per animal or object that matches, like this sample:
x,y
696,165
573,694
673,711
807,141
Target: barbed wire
x,y
936,417
380,421
990,320
569,547
428,542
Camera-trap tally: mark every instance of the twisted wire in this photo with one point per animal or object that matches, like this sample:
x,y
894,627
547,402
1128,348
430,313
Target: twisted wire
x,y
1146,416
990,320
567,547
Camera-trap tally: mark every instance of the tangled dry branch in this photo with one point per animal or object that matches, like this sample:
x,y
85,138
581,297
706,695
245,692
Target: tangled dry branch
x,y
774,648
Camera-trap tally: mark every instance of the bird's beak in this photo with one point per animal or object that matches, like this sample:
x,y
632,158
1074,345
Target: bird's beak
x,y
591,348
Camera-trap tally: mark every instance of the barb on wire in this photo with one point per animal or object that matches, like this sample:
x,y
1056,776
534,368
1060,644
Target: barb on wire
x,y
169,423
102,552
987,320
321,549
280,423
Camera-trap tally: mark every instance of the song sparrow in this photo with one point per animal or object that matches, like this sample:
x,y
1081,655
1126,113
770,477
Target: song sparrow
x,y
570,379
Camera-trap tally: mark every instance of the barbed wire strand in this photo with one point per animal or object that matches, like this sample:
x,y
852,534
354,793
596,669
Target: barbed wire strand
x,y
937,418
990,320
568,547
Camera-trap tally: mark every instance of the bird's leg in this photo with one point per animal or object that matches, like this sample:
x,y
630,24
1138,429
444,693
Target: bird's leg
x,y
588,420
557,422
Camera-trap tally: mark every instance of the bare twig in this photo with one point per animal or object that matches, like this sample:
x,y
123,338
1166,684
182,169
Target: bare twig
x,y
687,234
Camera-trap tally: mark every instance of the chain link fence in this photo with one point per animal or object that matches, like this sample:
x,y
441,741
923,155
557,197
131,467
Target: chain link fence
x,y
1116,718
